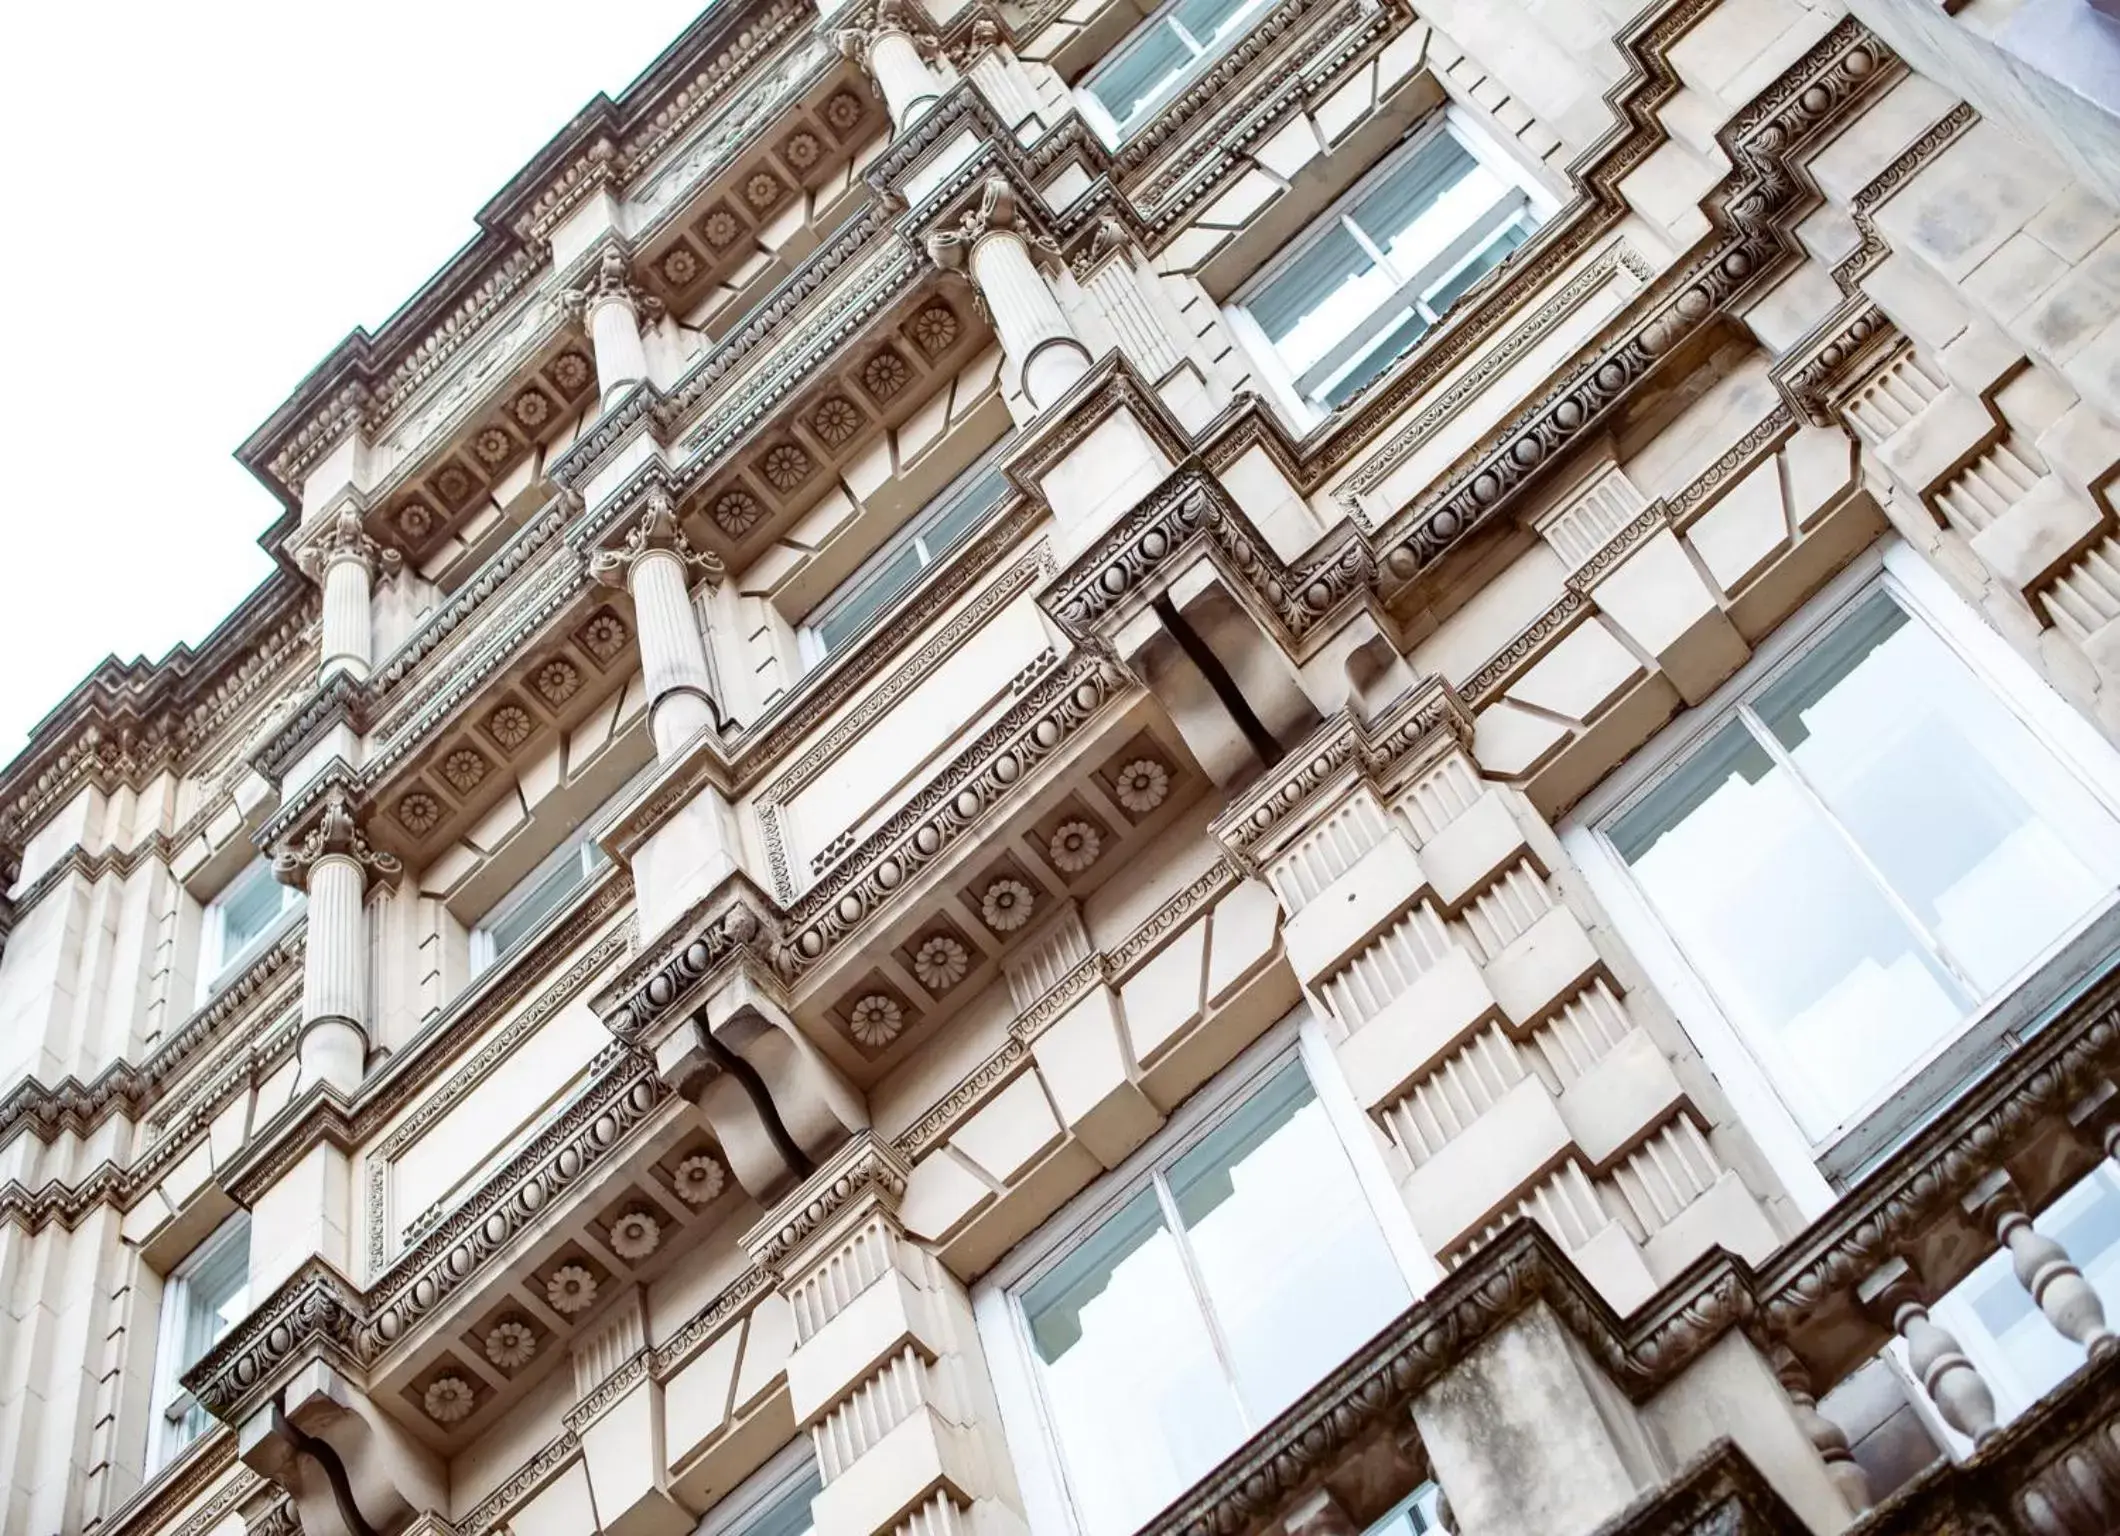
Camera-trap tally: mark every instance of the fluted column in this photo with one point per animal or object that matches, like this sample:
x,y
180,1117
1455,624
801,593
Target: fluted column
x,y
333,860
892,48
657,565
345,560
612,309
993,244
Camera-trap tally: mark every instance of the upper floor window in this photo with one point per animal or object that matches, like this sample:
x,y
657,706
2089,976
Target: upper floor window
x,y
887,575
202,1299
1868,844
773,1501
239,922
536,897
1382,266
1203,1289
1157,60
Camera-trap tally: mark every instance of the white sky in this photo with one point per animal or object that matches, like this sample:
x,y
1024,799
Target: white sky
x,y
202,200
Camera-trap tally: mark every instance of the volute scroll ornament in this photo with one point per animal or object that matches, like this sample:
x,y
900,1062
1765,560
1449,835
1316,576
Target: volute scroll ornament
x,y
343,537
335,832
613,280
996,211
657,529
887,16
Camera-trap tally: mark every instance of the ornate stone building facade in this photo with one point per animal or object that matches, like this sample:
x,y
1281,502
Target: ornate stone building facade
x,y
1243,767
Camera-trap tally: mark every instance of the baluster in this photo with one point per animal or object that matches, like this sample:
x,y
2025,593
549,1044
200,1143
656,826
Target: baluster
x,y
2042,1266
1828,1438
1952,1382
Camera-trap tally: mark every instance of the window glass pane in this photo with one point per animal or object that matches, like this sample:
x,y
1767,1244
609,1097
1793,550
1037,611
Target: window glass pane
x,y
963,511
941,526
1318,299
879,587
1287,1249
788,1515
213,1291
1136,1398
1142,72
1825,980
1937,781
522,912
248,907
1398,212
1208,20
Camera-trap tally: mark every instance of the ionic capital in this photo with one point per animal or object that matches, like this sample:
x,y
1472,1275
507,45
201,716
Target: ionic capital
x,y
996,212
612,284
657,529
339,538
334,831
886,18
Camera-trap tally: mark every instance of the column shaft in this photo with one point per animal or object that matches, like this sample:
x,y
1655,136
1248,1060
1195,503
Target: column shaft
x,y
348,632
334,1044
910,88
614,332
1034,330
673,655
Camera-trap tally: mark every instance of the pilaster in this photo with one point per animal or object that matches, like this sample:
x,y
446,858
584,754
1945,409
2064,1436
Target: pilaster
x,y
887,1377
1477,1021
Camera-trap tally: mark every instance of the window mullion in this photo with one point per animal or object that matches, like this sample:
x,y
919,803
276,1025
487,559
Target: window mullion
x,y
1876,876
1198,1283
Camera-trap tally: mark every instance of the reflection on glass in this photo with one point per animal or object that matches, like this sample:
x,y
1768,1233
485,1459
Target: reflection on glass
x,y
1150,66
1294,1267
1936,781
1138,1402
1861,855
789,1513
1319,297
1377,276
891,572
1207,1304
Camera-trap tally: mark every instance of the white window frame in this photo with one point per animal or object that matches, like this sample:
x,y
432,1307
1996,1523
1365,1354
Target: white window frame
x,y
1294,393
217,965
1114,132
999,1318
168,1402
579,846
1814,1174
809,642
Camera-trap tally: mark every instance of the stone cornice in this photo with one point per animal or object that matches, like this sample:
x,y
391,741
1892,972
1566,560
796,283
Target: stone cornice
x,y
127,721
72,1107
738,925
318,1314
370,375
179,1484
1343,750
865,1168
